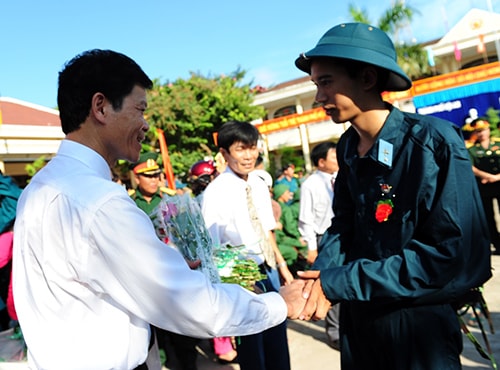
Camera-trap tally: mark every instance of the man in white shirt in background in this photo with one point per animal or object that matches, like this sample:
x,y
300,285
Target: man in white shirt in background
x,y
237,211
90,275
316,213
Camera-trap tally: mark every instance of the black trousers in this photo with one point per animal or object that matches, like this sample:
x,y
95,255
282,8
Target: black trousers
x,y
390,338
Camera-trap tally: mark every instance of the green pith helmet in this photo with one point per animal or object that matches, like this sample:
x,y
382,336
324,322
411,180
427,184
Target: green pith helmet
x,y
360,42
279,190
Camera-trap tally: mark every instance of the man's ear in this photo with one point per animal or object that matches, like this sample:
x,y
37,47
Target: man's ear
x,y
224,153
321,163
369,77
99,106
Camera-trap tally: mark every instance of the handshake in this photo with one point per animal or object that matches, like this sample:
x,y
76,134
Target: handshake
x,y
304,297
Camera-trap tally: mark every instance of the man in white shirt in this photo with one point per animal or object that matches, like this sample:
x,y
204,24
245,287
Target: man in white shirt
x,y
316,197
227,210
316,213
90,274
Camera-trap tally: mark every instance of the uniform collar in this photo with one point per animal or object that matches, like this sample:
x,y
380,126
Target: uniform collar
x,y
391,133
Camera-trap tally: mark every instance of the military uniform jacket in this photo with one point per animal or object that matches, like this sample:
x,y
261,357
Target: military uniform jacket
x,y
433,246
487,160
146,206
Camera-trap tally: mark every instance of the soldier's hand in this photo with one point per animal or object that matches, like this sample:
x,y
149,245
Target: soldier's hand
x,y
317,304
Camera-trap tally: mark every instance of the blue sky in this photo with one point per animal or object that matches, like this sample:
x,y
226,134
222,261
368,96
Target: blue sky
x,y
170,39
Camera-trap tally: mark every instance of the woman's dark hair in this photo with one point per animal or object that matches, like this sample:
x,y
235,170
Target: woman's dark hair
x,y
108,72
237,131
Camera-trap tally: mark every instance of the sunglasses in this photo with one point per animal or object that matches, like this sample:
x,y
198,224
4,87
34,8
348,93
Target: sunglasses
x,y
150,176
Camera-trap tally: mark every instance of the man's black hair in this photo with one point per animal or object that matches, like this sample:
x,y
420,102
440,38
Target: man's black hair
x,y
320,151
237,131
108,72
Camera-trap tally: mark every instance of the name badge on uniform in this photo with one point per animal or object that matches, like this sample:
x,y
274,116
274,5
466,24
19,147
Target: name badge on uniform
x,y
385,152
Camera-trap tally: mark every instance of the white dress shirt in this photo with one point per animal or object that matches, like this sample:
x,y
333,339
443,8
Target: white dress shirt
x,y
316,213
90,274
225,211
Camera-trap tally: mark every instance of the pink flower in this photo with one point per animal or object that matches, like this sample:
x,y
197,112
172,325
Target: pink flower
x,y
169,212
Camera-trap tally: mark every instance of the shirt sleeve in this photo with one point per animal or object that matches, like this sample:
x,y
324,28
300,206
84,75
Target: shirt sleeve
x,y
306,218
152,280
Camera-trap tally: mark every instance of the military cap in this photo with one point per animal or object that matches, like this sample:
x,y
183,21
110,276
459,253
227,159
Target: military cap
x,y
147,165
279,190
360,42
479,124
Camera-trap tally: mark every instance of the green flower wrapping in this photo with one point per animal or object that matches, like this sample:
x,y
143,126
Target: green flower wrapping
x,y
234,267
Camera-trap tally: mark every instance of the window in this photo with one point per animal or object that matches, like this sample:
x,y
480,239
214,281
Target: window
x,y
285,111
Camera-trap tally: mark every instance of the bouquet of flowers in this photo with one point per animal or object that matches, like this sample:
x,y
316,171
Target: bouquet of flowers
x,y
179,221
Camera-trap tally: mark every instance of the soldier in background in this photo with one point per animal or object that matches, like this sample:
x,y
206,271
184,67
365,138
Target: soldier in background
x,y
485,157
148,195
149,191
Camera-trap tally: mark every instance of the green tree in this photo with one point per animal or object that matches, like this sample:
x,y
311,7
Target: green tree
x,y
412,58
190,111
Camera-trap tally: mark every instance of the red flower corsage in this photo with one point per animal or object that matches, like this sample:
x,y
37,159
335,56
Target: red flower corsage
x,y
384,209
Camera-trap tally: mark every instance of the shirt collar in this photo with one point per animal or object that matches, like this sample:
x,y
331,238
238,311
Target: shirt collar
x,y
86,155
326,175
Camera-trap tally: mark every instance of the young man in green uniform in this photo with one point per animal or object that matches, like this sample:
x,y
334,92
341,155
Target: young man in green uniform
x,y
409,233
290,243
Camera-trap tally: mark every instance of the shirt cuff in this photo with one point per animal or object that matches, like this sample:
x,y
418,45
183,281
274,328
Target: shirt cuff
x,y
312,245
278,310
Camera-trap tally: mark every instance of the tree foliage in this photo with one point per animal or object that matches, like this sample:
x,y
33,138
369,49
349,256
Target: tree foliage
x,y
190,111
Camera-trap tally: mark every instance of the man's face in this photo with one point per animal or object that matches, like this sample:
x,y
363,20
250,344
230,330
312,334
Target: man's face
x,y
336,91
148,184
241,158
482,134
286,196
329,164
289,172
127,126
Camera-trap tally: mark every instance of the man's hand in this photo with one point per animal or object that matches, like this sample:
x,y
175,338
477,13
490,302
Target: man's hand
x,y
286,275
311,256
317,304
294,298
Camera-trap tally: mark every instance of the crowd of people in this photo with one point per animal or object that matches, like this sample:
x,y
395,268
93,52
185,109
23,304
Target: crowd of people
x,y
379,240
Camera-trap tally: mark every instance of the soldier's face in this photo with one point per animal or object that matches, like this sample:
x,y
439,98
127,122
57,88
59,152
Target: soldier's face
x,y
483,134
148,184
